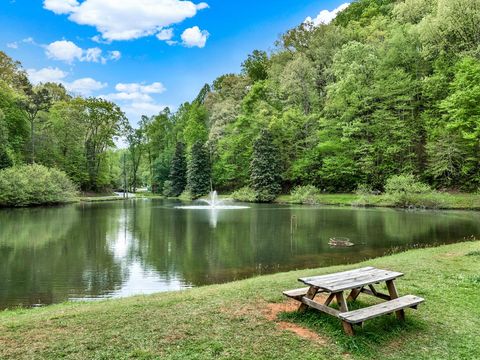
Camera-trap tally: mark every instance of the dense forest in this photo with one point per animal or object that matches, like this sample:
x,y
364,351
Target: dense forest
x,y
388,88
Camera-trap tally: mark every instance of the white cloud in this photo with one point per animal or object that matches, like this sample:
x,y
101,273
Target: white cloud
x,y
60,6
12,45
46,75
135,110
153,88
64,50
325,16
195,37
93,55
165,34
126,19
85,86
114,55
68,51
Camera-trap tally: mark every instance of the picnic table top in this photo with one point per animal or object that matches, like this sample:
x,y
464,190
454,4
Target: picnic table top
x,y
351,279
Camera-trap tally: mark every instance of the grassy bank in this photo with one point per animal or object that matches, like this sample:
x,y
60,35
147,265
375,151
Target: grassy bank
x,y
453,201
241,321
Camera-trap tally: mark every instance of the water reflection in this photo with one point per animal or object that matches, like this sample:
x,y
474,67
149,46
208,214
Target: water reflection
x,y
117,249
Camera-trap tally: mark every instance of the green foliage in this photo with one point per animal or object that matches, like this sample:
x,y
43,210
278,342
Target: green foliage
x,y
199,171
265,168
168,189
178,171
245,194
307,194
28,185
256,66
407,191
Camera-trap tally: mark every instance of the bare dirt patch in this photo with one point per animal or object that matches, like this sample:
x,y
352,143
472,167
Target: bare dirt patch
x,y
272,311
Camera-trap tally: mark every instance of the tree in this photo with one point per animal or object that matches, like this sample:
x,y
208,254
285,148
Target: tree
x,y
5,159
104,122
37,99
135,140
265,167
178,171
256,66
199,171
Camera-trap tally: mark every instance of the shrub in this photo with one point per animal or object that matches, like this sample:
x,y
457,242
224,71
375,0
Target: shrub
x,y
30,185
186,196
307,194
407,191
245,194
168,189
406,184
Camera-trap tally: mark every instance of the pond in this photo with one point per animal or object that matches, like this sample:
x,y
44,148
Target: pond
x,y
115,249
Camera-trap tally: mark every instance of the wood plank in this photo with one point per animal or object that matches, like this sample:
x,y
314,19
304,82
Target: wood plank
x,y
361,315
376,294
320,307
296,294
392,290
354,294
312,291
347,327
340,275
358,281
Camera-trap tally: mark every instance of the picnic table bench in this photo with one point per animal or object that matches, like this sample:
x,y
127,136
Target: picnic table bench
x,y
355,282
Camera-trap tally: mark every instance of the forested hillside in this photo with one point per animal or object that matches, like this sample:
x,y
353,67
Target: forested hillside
x,y
388,88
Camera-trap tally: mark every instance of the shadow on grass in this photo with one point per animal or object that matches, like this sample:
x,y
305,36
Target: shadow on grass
x,y
373,337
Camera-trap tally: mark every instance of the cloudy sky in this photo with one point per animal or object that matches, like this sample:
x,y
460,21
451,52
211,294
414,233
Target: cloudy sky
x,y
145,54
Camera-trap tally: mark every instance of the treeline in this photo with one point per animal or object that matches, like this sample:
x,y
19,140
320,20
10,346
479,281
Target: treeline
x,y
389,88
45,125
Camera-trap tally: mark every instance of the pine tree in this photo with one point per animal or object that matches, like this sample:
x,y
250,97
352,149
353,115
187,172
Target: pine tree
x,y
265,168
178,171
199,171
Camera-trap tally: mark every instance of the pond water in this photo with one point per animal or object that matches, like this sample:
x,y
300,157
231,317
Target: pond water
x,y
114,249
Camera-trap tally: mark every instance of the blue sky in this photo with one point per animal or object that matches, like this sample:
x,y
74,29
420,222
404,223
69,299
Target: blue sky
x,y
144,54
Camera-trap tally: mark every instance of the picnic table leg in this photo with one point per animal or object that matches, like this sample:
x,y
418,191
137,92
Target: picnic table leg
x,y
309,295
344,308
354,294
392,290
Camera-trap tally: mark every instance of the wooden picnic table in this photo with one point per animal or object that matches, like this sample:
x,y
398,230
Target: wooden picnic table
x,y
354,282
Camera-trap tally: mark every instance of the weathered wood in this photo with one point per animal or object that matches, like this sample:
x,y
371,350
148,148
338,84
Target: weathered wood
x,y
329,299
376,294
395,305
338,275
355,281
296,294
354,294
347,327
312,291
320,307
392,290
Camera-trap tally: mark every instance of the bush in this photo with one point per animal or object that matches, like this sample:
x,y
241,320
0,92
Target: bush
x,y
168,189
406,184
305,194
407,191
186,196
30,185
245,194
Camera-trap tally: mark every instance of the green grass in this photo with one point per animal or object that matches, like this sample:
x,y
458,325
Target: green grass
x,y
441,201
228,321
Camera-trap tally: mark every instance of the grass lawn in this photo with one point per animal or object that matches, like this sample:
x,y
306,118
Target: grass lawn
x,y
241,320
448,201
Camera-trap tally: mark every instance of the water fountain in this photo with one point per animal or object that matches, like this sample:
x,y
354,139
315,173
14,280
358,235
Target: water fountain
x,y
213,203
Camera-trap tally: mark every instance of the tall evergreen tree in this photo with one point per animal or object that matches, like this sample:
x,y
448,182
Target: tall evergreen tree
x,y
199,170
178,170
265,167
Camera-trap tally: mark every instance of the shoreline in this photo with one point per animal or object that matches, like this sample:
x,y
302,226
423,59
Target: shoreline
x,y
221,321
